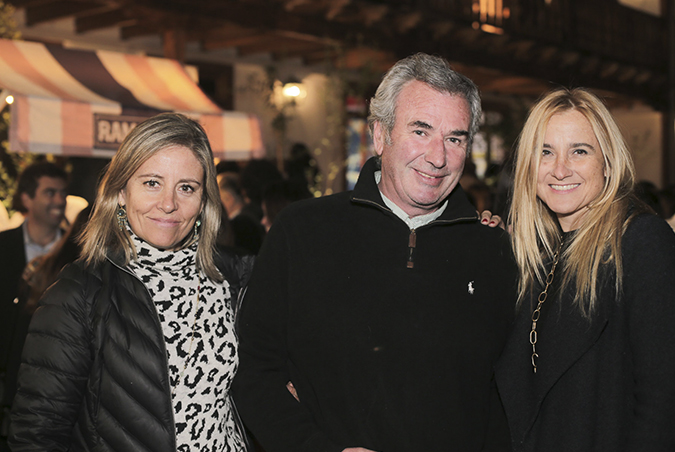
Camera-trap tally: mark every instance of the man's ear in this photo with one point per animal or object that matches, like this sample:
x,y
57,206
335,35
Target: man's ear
x,y
26,201
378,138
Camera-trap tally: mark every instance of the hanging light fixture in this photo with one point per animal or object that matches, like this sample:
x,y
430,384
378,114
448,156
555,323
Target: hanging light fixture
x,y
6,97
294,90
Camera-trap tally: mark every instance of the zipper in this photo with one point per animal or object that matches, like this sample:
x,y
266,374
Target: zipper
x,y
412,237
412,242
163,345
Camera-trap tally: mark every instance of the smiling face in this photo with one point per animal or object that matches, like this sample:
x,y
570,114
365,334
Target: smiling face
x,y
164,197
572,169
424,160
48,206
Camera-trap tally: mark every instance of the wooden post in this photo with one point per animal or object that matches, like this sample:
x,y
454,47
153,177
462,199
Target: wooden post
x,y
173,41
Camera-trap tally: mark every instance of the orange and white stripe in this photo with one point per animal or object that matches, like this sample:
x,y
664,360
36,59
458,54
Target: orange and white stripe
x,y
54,110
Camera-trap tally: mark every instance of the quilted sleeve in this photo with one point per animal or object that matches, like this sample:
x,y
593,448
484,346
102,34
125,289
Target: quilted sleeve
x,y
54,368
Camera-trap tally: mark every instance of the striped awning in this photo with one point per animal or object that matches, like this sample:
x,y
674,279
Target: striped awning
x,y
75,102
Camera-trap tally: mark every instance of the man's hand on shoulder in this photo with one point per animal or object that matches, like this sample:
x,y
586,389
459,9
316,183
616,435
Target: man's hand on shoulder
x,y
490,220
292,390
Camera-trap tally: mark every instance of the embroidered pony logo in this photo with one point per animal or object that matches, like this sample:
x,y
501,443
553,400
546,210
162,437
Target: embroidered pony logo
x,y
470,288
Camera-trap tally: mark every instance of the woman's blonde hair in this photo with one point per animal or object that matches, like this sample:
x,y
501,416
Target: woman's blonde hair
x,y
536,231
102,235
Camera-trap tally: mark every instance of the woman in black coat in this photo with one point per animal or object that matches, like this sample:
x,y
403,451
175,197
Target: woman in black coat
x,y
133,348
590,365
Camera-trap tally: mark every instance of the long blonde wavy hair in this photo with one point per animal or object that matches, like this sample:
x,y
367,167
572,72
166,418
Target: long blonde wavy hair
x,y
536,231
102,235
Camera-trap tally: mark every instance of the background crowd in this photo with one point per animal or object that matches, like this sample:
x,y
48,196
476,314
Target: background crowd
x,y
137,343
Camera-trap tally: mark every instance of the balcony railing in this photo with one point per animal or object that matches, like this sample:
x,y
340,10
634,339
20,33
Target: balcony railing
x,y
600,27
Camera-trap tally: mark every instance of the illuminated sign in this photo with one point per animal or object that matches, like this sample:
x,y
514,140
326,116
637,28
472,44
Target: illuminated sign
x,y
110,130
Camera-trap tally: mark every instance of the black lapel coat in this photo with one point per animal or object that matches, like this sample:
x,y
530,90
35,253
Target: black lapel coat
x,y
607,384
12,263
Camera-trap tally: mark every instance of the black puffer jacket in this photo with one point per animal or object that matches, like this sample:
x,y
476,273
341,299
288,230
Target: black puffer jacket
x,y
94,375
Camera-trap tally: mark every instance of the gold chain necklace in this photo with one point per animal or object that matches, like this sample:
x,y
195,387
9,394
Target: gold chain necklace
x,y
192,339
540,301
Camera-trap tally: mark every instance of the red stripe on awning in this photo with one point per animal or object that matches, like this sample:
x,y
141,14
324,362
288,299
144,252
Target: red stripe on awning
x,y
76,117
21,65
146,72
258,151
20,124
59,115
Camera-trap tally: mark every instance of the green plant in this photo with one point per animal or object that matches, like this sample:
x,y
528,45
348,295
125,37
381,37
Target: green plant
x,y
10,164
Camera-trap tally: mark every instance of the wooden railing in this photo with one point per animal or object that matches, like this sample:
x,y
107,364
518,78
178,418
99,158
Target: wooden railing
x,y
601,27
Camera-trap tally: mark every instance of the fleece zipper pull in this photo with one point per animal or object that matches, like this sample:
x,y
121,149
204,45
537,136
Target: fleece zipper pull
x,y
412,241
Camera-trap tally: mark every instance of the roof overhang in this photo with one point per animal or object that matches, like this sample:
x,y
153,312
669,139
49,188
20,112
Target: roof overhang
x,y
75,102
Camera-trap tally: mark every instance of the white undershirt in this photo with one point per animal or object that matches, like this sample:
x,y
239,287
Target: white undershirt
x,y
412,222
33,249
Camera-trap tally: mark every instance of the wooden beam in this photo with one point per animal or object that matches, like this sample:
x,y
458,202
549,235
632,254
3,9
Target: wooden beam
x,y
335,7
609,69
107,19
305,37
643,77
290,5
627,73
137,30
173,43
29,3
360,57
266,46
372,13
297,50
253,37
532,46
58,10
273,16
408,21
461,46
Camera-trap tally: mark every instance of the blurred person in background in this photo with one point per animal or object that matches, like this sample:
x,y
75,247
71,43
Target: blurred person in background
x,y
302,169
277,196
256,175
480,196
649,194
667,197
590,364
41,198
246,229
133,348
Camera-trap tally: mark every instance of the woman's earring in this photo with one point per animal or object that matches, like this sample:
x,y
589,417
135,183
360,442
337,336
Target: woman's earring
x,y
195,235
121,217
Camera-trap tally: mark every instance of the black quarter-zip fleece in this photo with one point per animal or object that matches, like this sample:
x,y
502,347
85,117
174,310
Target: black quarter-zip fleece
x,y
384,355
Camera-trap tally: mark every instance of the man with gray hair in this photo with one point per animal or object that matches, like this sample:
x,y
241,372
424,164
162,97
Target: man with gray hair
x,y
384,309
